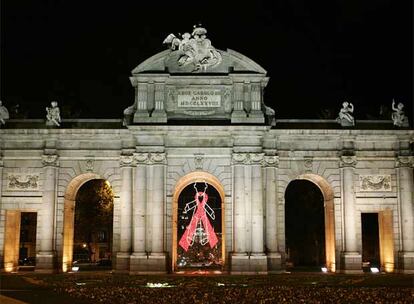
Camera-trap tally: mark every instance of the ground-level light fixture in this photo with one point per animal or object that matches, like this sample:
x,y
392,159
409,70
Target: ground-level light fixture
x,y
374,269
324,269
75,268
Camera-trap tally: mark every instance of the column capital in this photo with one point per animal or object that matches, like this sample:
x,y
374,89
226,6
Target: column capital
x,y
153,158
271,161
51,160
126,160
404,161
248,158
348,161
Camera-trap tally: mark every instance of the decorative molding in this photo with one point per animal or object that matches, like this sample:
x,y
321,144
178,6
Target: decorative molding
x,y
348,161
404,161
198,160
23,181
308,163
89,164
248,158
150,158
50,160
126,160
375,183
271,161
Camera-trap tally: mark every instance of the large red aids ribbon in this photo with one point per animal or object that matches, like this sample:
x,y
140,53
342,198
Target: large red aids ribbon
x,y
199,215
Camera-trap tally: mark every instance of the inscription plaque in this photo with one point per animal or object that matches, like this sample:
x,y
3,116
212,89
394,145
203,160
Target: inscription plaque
x,y
198,98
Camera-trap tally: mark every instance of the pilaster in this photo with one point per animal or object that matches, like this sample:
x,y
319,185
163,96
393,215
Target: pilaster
x,y
46,256
126,163
351,257
404,167
274,258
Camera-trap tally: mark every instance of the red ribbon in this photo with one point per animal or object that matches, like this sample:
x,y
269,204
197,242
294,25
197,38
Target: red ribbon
x,y
199,215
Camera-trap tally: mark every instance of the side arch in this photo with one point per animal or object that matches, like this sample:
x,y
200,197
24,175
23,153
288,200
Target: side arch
x,y
69,216
328,197
194,177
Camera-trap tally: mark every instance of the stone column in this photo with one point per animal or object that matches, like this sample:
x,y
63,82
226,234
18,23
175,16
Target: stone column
x,y
257,205
406,192
273,254
157,257
256,113
351,257
158,197
239,257
141,114
159,115
238,115
239,226
125,220
46,256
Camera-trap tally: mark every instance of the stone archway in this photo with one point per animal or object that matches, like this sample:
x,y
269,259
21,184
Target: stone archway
x,y
328,197
195,177
69,216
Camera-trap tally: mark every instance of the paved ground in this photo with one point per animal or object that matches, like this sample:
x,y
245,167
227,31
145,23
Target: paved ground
x,y
105,287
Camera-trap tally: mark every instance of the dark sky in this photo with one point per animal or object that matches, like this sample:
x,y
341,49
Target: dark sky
x,y
317,53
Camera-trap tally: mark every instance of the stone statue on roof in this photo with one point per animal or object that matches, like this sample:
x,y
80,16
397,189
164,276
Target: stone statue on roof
x,y
398,116
345,117
194,49
4,114
53,115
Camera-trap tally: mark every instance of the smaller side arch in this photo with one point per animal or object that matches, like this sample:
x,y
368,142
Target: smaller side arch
x,y
194,177
328,196
69,216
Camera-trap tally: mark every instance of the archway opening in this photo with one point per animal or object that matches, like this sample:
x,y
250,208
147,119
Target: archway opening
x,y
93,225
305,226
198,224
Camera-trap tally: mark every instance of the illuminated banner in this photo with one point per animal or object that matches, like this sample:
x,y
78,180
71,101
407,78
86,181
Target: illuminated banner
x,y
200,228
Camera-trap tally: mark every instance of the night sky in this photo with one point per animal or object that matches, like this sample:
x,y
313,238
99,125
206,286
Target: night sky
x,y
317,53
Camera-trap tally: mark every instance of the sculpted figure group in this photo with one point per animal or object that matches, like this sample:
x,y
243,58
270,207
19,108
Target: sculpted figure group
x,y
195,49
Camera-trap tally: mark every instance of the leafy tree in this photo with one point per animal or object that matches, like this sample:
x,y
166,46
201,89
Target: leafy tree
x,y
93,213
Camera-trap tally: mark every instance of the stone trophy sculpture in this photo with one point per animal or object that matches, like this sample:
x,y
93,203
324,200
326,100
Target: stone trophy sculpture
x,y
398,117
345,118
53,115
195,49
4,114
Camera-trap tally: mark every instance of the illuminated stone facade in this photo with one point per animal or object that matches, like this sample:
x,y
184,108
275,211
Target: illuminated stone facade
x,y
151,159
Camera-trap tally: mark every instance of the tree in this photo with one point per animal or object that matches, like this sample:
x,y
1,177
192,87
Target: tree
x,y
93,214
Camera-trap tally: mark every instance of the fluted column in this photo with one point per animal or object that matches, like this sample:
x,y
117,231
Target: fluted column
x,y
257,205
46,255
352,258
406,192
239,227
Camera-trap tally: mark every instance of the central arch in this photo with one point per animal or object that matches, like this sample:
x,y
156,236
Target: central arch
x,y
328,198
191,178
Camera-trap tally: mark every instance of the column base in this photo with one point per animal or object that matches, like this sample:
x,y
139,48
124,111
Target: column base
x,y
148,264
238,116
46,262
122,261
274,262
255,116
351,262
248,264
406,261
159,116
